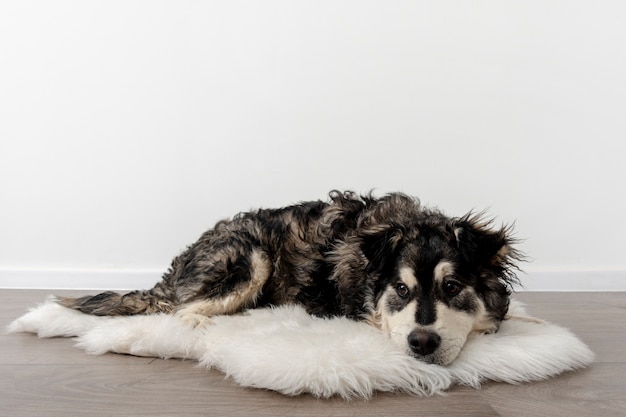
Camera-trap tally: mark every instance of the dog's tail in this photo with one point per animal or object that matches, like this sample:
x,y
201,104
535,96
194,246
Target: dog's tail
x,y
110,303
160,299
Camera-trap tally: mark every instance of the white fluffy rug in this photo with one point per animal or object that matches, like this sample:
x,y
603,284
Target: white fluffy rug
x,y
286,350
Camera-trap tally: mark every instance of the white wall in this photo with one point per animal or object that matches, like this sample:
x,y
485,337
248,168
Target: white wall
x,y
129,127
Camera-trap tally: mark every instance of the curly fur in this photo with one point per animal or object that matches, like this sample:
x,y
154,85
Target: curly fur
x,y
335,258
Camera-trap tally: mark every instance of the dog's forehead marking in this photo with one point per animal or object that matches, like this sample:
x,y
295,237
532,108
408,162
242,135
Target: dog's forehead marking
x,y
407,275
443,269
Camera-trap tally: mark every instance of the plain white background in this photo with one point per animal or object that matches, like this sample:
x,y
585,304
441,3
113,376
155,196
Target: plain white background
x,y
129,127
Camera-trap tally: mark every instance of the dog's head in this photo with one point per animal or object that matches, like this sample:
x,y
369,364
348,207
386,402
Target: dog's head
x,y
439,280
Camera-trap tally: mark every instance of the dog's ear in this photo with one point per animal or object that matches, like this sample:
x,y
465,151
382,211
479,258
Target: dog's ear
x,y
380,246
491,253
478,244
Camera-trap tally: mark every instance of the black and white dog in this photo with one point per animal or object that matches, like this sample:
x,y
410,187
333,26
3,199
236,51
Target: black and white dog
x,y
425,279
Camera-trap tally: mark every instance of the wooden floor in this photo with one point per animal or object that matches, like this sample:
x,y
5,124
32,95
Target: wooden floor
x,y
52,378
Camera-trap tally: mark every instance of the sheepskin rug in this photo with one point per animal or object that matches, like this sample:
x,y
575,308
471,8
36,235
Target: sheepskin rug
x,y
286,350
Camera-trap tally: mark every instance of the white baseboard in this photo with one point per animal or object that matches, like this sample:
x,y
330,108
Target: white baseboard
x,y
79,279
106,279
573,280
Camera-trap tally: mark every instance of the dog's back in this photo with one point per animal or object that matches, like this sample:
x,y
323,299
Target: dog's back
x,y
268,256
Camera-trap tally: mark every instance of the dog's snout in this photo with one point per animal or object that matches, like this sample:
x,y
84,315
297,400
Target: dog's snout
x,y
424,342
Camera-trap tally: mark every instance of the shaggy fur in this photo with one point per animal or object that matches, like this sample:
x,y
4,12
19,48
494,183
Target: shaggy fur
x,y
286,350
426,279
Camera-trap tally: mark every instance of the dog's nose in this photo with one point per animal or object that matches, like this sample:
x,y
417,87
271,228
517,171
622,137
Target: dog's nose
x,y
424,342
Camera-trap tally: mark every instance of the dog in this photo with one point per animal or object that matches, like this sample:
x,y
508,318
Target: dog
x,y
425,279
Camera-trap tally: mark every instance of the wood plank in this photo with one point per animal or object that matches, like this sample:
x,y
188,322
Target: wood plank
x,y
597,391
179,388
50,377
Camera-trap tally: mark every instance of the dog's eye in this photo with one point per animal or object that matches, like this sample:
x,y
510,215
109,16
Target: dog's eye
x,y
402,290
452,288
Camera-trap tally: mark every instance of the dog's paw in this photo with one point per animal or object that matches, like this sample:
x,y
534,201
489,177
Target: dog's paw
x,y
195,320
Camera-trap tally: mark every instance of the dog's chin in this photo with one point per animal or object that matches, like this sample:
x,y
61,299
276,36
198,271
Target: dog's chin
x,y
436,358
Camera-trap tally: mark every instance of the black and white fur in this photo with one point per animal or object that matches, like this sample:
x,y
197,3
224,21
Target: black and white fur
x,y
425,279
